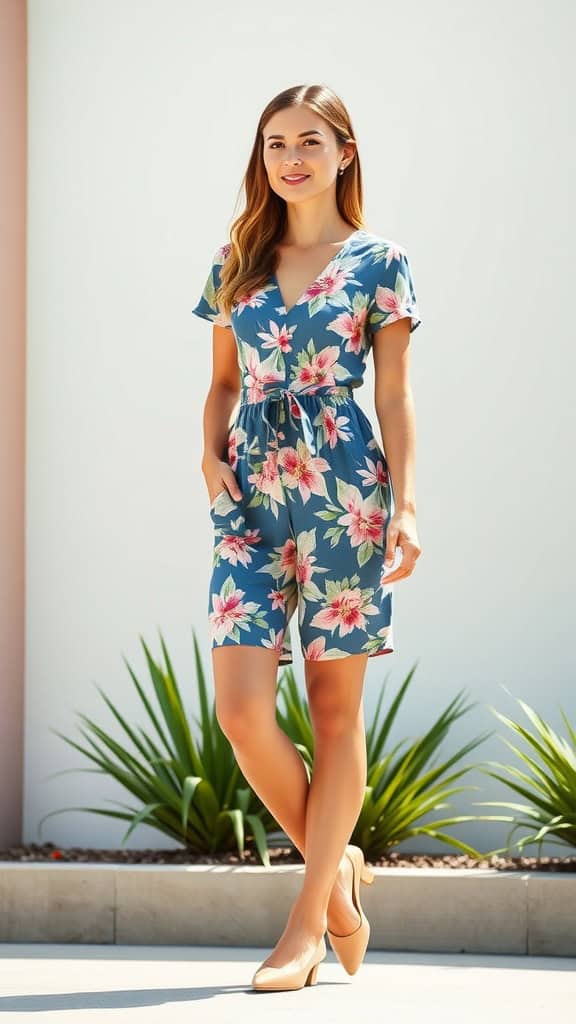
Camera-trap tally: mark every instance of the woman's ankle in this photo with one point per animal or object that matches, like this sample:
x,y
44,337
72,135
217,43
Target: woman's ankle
x,y
313,920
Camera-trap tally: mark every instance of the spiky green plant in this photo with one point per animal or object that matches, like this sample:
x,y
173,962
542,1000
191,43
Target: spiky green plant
x,y
400,790
549,786
194,793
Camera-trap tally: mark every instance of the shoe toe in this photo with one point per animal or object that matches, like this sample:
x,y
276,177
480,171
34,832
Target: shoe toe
x,y
264,977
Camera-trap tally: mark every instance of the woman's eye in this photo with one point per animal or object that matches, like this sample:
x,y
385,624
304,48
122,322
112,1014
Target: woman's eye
x,y
313,141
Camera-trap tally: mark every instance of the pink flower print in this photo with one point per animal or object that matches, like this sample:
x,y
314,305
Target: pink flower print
x,y
279,338
318,371
267,479
232,455
333,425
236,549
257,374
223,252
364,519
252,300
332,282
278,599
351,326
229,610
394,252
304,567
303,470
345,610
397,302
316,651
288,555
283,564
276,641
387,300
375,474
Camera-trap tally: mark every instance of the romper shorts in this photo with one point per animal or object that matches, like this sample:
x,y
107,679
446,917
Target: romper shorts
x,y
309,532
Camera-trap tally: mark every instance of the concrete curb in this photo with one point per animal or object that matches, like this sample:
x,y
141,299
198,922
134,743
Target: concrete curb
x,y
417,909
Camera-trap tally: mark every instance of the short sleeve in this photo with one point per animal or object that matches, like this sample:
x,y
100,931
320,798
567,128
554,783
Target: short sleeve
x,y
206,305
393,293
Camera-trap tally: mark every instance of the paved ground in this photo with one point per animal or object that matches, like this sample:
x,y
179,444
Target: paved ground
x,y
102,984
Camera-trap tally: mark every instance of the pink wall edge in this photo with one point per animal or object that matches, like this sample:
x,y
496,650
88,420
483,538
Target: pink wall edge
x,y
13,201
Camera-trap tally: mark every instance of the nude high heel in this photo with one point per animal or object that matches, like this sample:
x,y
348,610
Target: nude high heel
x,y
274,979
350,949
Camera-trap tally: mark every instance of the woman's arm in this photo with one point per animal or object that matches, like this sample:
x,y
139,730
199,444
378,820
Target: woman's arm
x,y
394,405
220,401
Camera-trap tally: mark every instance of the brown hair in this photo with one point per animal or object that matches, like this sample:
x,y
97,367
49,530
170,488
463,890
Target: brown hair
x,y
251,258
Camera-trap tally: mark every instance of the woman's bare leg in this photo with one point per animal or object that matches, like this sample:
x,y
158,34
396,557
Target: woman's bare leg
x,y
335,797
245,702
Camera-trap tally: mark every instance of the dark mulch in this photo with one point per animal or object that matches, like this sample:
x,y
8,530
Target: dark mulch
x,y
278,855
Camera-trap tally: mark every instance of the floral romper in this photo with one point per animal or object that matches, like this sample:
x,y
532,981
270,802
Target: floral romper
x,y
310,529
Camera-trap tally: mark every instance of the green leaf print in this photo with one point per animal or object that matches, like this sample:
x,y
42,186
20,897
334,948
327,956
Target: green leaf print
x,y
365,552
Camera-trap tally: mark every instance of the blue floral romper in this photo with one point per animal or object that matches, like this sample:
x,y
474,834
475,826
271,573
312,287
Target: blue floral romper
x,y
310,528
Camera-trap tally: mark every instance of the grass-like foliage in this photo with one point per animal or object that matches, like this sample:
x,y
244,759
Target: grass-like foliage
x,y
546,779
192,791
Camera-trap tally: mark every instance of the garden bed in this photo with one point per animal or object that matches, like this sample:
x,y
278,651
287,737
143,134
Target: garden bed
x,y
279,855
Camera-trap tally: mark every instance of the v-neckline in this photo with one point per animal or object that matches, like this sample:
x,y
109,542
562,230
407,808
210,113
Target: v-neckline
x,y
321,273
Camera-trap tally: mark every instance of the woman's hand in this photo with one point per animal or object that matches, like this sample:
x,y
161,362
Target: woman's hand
x,y
401,533
219,475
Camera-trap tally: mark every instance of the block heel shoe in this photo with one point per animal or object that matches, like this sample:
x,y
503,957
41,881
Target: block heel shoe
x,y
276,979
350,949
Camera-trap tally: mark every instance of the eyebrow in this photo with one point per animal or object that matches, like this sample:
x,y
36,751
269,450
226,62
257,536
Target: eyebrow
x,y
300,134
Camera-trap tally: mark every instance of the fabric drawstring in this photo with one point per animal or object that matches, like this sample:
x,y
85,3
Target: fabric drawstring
x,y
276,395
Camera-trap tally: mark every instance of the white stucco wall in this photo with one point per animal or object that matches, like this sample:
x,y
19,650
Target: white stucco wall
x,y
141,120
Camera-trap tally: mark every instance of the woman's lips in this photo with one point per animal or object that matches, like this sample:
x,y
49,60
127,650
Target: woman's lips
x,y
296,181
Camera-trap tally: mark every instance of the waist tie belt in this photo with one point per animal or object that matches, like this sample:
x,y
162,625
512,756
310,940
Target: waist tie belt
x,y
275,395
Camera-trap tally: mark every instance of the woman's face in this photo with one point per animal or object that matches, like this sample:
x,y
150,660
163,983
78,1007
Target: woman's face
x,y
297,141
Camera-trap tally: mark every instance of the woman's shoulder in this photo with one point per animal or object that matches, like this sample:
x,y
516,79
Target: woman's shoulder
x,y
380,241
221,253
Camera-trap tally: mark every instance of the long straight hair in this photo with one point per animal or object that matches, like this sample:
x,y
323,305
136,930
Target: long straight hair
x,y
251,256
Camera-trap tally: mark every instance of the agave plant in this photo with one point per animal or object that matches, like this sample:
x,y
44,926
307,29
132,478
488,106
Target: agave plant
x,y
400,789
193,793
549,786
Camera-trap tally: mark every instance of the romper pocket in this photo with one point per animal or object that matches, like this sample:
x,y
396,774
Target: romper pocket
x,y
373,447
226,513
375,452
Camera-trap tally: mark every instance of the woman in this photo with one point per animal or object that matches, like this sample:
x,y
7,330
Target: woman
x,y
301,500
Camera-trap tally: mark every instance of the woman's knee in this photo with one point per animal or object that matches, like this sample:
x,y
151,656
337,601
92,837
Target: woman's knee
x,y
244,692
335,696
332,717
239,716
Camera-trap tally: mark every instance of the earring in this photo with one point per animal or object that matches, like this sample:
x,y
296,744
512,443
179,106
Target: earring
x,y
342,169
